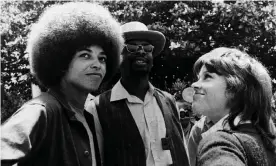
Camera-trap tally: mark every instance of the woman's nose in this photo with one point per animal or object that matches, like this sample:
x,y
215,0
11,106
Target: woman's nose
x,y
95,64
195,85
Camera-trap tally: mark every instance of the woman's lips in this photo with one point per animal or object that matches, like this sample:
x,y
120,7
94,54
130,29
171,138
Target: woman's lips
x,y
197,95
95,74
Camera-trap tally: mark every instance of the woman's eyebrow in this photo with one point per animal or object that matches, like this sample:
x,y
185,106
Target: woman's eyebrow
x,y
103,53
85,49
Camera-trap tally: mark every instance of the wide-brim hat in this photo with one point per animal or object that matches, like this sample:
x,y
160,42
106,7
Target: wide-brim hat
x,y
138,31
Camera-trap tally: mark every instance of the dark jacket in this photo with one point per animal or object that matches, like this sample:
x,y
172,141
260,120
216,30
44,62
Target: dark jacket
x,y
45,132
123,145
242,147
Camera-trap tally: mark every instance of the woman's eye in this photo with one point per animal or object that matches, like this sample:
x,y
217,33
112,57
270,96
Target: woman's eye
x,y
85,55
206,76
102,59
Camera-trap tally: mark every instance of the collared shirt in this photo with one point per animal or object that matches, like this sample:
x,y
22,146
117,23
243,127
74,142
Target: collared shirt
x,y
220,125
195,136
217,126
202,128
150,122
80,117
91,108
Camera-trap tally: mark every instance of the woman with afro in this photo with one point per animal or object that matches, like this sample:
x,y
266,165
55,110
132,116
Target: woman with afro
x,y
74,48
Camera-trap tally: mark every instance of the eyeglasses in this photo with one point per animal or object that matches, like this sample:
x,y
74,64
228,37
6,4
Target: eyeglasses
x,y
134,48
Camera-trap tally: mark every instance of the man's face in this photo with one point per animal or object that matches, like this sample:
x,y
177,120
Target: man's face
x,y
137,57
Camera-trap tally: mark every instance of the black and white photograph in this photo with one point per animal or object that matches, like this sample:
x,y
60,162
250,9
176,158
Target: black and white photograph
x,y
138,83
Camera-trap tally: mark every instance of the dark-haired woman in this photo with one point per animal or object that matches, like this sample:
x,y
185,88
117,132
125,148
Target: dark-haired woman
x,y
73,48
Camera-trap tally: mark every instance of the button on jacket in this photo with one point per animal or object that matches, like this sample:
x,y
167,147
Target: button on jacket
x,y
45,131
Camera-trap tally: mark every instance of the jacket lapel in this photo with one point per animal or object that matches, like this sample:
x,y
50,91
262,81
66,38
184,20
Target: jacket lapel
x,y
165,112
127,124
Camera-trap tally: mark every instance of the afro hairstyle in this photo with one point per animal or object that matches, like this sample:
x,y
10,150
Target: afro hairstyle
x,y
62,30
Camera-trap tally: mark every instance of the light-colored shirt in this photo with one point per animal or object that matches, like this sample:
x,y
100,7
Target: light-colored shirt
x,y
150,122
91,108
80,117
195,136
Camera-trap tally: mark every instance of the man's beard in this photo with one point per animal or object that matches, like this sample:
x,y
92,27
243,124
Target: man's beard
x,y
129,70
139,72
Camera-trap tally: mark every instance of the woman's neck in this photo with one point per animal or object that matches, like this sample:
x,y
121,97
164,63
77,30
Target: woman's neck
x,y
215,119
75,97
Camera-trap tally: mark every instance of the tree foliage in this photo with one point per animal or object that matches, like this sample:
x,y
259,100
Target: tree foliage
x,y
192,28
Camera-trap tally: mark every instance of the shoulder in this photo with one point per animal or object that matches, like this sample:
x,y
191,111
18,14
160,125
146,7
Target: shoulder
x,y
168,99
165,96
163,93
32,115
98,101
220,148
104,96
36,109
44,100
42,108
100,105
219,137
27,127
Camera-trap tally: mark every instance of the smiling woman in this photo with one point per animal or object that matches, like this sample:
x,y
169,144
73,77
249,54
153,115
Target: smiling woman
x,y
73,48
234,91
87,69
210,97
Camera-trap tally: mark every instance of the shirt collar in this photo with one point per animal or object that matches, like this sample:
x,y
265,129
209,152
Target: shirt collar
x,y
224,126
118,92
217,126
208,120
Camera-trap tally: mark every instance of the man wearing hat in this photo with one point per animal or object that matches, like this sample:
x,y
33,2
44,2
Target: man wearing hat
x,y
73,48
140,123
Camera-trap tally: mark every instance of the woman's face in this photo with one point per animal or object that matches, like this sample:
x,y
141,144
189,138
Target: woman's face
x,y
87,69
210,97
